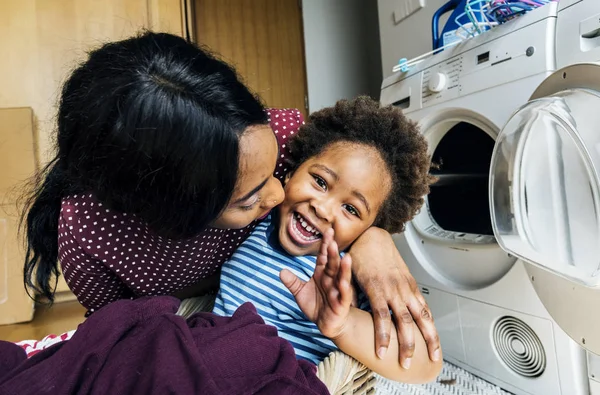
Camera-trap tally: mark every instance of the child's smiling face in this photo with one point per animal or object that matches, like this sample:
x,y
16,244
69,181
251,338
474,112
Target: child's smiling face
x,y
341,188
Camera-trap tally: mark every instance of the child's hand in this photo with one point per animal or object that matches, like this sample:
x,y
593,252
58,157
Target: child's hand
x,y
326,298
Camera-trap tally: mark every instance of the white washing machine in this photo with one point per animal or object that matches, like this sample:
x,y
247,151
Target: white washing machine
x,y
506,248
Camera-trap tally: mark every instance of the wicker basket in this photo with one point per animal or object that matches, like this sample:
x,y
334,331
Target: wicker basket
x,y
342,374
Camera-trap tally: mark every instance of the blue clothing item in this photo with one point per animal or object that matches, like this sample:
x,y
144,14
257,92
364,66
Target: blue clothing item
x,y
252,275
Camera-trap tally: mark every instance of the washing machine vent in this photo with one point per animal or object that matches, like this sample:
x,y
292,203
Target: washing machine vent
x,y
519,347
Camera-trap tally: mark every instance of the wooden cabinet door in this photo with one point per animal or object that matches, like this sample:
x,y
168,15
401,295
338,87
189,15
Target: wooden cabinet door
x,y
17,163
263,39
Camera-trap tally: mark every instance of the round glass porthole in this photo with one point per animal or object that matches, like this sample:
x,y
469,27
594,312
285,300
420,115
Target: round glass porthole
x,y
544,185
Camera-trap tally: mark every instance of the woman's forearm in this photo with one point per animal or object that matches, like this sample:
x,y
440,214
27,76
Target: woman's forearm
x,y
357,340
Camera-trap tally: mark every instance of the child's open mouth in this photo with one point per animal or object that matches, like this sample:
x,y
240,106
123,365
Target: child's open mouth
x,y
301,232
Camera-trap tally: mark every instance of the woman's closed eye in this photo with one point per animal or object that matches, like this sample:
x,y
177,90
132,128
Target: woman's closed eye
x,y
320,182
250,203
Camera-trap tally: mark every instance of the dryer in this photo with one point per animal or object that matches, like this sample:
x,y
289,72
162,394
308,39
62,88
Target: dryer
x,y
492,298
568,285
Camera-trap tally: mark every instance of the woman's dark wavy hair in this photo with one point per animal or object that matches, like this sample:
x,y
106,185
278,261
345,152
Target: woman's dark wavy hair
x,y
395,137
150,125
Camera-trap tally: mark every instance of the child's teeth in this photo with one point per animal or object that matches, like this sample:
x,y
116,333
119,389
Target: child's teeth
x,y
315,234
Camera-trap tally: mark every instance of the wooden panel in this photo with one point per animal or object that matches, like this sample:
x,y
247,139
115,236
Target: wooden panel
x,y
17,161
15,304
263,40
42,40
17,151
167,16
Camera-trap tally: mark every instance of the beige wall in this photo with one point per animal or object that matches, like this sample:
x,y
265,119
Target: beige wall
x,y
42,40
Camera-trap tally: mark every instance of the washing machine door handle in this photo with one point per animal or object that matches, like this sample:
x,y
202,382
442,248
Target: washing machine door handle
x,y
545,197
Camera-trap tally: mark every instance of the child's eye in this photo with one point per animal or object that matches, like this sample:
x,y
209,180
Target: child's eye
x,y
352,210
320,182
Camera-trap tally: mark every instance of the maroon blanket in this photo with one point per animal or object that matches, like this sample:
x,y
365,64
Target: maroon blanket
x,y
142,347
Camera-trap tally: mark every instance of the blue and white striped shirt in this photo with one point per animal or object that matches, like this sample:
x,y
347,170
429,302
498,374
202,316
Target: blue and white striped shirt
x,y
252,275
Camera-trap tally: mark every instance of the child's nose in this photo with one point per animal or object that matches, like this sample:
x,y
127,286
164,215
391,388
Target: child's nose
x,y
323,210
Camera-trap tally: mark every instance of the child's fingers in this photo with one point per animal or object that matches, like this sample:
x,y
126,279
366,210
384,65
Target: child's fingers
x,y
326,240
322,257
328,236
319,269
333,260
345,273
291,281
344,281
333,296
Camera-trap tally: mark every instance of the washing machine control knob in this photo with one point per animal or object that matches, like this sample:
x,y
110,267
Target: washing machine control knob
x,y
437,82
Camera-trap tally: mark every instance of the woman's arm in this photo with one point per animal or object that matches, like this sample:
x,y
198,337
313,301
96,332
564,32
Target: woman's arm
x,y
326,300
356,340
385,279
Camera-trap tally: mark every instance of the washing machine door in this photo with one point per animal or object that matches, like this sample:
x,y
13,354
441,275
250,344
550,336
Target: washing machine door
x,y
545,197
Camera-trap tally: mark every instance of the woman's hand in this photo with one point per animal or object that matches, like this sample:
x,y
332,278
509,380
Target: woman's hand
x,y
326,298
385,279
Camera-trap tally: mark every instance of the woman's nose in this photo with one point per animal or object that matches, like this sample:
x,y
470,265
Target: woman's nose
x,y
274,194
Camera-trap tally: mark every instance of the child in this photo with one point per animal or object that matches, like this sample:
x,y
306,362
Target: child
x,y
355,165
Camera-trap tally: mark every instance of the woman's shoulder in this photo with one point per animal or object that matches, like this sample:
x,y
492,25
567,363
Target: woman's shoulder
x,y
285,124
87,215
280,113
286,121
103,233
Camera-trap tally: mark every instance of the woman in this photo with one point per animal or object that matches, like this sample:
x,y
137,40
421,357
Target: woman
x,y
164,162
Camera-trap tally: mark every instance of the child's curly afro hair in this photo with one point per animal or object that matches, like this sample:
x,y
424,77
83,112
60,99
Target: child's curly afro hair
x,y
396,138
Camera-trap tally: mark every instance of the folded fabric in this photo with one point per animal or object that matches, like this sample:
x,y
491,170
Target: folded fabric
x,y
33,347
141,347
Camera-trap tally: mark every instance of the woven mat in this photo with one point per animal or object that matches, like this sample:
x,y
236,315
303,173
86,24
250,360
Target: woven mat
x,y
452,381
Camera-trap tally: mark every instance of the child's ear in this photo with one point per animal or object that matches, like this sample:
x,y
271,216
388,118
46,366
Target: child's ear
x,y
287,177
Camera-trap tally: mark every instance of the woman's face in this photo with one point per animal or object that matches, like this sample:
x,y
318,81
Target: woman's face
x,y
256,191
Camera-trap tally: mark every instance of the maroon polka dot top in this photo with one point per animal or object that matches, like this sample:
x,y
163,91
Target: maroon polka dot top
x,y
107,255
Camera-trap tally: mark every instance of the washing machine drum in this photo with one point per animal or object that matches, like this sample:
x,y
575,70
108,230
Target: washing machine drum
x,y
545,197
